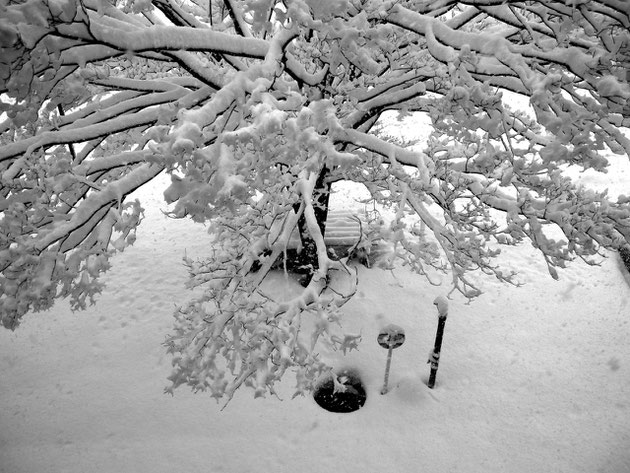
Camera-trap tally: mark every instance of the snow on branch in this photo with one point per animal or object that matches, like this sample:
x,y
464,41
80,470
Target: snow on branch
x,y
403,156
49,138
110,194
171,38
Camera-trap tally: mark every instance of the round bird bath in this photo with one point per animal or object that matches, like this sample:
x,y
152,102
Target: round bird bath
x,y
390,337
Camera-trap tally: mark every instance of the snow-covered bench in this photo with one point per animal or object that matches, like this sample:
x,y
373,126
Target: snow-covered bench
x,y
345,235
343,230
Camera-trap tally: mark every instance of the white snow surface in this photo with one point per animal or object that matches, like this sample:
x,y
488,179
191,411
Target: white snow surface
x,y
531,379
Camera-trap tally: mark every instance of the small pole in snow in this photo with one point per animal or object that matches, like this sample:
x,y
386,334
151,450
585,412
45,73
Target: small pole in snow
x,y
390,337
434,356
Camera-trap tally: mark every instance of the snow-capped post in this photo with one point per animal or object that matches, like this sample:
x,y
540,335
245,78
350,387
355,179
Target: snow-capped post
x,y
434,356
390,337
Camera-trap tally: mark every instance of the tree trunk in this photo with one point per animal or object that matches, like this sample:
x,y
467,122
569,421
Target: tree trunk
x,y
307,258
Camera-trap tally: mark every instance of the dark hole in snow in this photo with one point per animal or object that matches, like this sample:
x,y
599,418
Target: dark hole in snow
x,y
349,397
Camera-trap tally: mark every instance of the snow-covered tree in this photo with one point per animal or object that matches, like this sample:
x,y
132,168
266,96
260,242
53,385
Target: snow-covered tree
x,y
255,107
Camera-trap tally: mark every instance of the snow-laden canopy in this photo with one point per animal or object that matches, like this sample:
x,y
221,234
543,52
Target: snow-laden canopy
x,y
255,107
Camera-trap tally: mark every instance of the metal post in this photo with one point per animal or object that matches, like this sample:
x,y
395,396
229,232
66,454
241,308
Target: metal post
x,y
434,357
389,362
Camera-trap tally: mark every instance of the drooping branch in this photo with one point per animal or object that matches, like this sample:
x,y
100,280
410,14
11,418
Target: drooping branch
x,y
171,38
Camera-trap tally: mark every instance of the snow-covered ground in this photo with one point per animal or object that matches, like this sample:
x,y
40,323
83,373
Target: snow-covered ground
x,y
531,379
